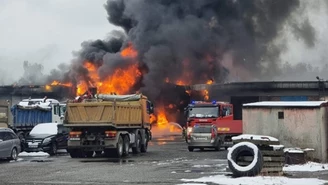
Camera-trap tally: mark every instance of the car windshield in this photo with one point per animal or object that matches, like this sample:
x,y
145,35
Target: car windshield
x,y
202,129
45,128
204,112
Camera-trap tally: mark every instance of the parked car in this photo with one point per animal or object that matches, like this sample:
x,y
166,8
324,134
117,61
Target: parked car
x,y
47,137
10,145
204,136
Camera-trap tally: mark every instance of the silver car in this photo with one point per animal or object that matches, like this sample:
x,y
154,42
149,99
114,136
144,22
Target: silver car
x,y
203,136
10,145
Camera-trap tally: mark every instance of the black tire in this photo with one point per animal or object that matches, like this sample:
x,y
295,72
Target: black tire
x,y
137,148
21,137
191,149
53,149
76,153
126,148
218,147
89,154
144,146
98,152
116,152
14,154
245,149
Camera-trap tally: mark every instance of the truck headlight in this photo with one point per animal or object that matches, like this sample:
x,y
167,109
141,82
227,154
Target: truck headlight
x,y
46,140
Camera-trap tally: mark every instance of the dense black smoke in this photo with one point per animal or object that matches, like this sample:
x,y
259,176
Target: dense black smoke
x,y
174,37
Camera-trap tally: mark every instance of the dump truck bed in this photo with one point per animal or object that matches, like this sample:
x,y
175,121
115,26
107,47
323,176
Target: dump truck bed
x,y
124,112
4,113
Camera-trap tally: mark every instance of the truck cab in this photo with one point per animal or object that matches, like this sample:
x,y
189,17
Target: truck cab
x,y
213,113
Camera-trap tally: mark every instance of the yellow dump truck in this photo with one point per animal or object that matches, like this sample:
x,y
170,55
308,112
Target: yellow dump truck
x,y
4,113
109,123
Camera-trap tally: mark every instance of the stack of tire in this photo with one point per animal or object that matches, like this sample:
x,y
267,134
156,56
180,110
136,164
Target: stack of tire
x,y
245,149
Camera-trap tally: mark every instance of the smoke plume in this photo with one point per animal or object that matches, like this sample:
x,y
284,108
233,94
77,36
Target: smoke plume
x,y
186,40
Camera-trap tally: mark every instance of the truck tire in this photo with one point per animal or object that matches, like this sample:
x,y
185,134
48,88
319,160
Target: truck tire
x,y
21,137
89,154
98,152
218,147
75,153
137,148
144,146
245,149
191,149
126,147
115,152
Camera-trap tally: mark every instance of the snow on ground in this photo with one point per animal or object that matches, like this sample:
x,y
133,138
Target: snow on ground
x,y
33,154
254,137
258,180
308,167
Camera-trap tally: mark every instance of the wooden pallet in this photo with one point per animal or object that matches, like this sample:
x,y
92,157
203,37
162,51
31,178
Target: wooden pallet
x,y
273,160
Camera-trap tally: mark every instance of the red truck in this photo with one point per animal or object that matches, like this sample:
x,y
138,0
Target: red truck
x,y
215,113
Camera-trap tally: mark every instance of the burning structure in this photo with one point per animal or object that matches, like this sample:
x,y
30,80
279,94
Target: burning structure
x,y
176,43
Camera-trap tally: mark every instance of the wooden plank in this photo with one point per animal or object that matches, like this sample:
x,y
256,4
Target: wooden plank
x,y
273,164
265,164
272,153
250,158
272,169
257,142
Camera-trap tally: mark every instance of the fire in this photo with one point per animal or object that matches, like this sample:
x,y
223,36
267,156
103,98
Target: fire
x,y
120,82
205,92
56,83
129,51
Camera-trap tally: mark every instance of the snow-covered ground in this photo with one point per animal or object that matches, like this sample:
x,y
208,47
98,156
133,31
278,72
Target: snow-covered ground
x,y
308,167
259,180
33,154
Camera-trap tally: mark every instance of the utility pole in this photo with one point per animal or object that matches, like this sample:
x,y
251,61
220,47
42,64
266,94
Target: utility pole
x,y
322,86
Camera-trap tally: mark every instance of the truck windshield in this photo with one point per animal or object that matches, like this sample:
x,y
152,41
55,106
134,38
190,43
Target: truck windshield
x,y
204,112
202,129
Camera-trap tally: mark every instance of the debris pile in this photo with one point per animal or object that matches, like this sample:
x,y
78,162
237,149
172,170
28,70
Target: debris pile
x,y
253,155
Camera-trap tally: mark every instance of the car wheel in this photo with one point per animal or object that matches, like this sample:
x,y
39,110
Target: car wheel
x,y
14,154
53,150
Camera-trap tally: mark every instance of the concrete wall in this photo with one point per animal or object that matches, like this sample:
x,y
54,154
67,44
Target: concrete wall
x,y
301,127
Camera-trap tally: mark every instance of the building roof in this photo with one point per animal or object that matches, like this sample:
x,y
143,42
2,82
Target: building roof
x,y
286,104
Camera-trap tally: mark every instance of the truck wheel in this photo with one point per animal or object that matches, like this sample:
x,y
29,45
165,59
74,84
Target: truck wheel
x,y
144,146
191,149
218,147
98,152
21,137
115,152
126,147
89,154
136,149
74,153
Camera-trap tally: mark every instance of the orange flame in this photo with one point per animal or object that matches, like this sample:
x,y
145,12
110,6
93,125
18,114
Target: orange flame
x,y
120,82
205,92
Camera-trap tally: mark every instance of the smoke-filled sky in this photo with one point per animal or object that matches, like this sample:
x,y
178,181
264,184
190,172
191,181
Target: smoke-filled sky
x,y
250,40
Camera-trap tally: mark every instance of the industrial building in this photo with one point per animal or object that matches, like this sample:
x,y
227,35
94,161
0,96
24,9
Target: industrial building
x,y
239,93
302,124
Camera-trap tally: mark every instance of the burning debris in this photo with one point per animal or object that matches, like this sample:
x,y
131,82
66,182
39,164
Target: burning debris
x,y
167,43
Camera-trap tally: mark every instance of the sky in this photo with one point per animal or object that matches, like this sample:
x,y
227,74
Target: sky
x,y
47,32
